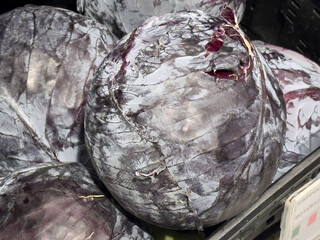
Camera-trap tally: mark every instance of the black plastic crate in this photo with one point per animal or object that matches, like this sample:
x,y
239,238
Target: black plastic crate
x,y
293,24
302,27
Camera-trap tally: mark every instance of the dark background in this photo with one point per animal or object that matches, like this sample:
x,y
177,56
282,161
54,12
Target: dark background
x,y
6,6
293,24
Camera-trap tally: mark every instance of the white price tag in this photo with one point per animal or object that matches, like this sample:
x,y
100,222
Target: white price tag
x,y
301,217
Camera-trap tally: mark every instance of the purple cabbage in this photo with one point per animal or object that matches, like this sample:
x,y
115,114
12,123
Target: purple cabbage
x,y
48,60
299,79
60,201
125,15
185,121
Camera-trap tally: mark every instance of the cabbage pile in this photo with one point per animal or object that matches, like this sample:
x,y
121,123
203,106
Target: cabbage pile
x,y
137,114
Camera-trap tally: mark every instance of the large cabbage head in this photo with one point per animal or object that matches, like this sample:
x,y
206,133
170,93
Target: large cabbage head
x,y
185,122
